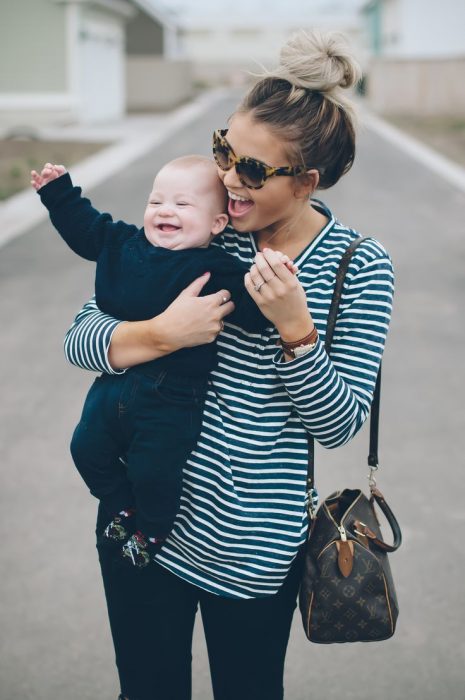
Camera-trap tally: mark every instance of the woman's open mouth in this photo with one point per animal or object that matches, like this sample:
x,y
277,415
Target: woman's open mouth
x,y
238,206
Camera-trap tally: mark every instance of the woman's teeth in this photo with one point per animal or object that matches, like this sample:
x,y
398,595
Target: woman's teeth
x,y
238,197
238,206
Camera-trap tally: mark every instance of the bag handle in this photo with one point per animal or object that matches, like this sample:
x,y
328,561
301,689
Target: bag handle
x,y
374,412
362,529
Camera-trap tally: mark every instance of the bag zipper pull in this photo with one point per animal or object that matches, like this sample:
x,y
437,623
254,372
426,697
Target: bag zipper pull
x,y
345,549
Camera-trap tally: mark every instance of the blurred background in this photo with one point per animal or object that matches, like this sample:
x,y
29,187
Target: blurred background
x,y
85,62
114,89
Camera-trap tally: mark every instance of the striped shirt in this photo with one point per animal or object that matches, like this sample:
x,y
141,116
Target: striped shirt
x,y
243,515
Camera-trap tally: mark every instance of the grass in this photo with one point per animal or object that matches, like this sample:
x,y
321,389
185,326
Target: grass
x,y
444,133
19,156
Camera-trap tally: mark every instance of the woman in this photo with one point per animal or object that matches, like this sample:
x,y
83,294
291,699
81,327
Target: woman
x,y
236,547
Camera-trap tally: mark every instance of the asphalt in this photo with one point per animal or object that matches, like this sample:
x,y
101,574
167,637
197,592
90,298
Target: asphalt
x,y
55,640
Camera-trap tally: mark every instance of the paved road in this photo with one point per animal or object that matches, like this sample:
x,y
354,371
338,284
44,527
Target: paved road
x,y
55,639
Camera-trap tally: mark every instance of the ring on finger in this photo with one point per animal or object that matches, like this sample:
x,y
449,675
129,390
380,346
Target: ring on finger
x,y
258,286
221,326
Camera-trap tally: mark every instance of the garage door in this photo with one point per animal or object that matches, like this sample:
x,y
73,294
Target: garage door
x,y
101,70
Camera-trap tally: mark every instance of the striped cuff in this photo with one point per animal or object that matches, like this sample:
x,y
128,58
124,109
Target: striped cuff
x,y
87,342
305,362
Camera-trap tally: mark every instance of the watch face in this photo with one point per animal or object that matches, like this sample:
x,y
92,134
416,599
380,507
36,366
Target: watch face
x,y
303,349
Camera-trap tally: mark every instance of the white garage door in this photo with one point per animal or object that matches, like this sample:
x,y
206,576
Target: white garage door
x,y
101,70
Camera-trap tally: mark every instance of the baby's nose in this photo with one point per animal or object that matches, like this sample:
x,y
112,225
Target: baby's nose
x,y
165,210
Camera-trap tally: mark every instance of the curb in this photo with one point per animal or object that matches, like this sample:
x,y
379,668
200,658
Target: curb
x,y
427,156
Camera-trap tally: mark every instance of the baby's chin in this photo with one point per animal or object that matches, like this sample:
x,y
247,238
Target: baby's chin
x,y
157,239
168,241
176,240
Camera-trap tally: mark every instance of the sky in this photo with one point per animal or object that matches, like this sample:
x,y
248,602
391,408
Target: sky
x,y
193,12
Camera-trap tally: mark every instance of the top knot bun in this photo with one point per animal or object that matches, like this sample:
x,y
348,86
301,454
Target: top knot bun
x,y
318,61
305,102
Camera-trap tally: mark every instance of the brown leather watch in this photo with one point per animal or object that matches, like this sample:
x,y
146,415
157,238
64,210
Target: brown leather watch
x,y
297,348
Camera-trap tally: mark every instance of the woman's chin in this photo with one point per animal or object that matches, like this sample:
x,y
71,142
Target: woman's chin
x,y
241,225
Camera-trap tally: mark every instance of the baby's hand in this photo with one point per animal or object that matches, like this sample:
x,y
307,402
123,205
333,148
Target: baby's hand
x,y
48,173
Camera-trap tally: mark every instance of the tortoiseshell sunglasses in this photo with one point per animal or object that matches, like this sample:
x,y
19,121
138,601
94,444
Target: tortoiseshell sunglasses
x,y
251,172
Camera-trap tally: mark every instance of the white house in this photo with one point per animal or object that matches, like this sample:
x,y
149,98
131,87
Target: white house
x,y
157,74
224,39
66,60
417,55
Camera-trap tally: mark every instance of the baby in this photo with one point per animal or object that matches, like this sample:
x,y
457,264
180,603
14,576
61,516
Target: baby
x,y
152,413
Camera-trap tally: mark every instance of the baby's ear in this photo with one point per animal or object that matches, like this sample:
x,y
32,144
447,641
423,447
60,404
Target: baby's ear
x,y
219,224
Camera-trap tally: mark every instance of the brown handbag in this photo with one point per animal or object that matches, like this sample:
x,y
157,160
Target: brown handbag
x,y
347,592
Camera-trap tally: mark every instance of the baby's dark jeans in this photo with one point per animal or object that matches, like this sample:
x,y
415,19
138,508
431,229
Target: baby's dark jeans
x,y
154,422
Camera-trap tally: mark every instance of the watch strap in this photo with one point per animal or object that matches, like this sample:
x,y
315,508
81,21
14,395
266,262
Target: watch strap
x,y
309,339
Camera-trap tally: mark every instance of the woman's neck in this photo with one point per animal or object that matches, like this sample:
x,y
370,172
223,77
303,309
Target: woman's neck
x,y
292,239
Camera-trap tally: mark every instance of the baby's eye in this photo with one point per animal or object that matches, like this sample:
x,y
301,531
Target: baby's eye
x,y
183,204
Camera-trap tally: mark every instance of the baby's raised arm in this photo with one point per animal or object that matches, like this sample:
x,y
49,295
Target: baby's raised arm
x,y
81,226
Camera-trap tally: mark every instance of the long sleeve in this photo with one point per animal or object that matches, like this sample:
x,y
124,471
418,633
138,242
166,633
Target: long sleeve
x,y
332,395
88,339
82,227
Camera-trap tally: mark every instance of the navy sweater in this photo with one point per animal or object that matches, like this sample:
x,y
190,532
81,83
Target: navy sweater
x,y
136,280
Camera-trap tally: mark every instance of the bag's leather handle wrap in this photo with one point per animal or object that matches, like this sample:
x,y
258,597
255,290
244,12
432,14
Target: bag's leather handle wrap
x,y
332,317
377,496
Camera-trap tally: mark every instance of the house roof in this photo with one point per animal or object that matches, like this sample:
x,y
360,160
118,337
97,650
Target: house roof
x,y
118,7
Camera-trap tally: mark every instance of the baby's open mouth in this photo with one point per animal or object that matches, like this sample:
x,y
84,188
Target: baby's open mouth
x,y
168,227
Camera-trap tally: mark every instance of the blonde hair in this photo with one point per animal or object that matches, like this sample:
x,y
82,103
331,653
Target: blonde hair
x,y
217,189
303,102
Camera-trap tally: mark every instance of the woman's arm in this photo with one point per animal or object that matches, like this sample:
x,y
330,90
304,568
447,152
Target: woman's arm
x,y
332,395
99,342
88,340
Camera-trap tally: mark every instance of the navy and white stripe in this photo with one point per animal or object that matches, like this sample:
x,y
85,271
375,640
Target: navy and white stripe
x,y
87,341
242,515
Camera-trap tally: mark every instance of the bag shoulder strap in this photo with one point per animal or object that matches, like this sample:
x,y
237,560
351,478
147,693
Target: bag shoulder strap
x,y
332,317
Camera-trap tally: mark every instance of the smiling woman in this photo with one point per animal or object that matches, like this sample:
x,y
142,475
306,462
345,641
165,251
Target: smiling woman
x,y
235,548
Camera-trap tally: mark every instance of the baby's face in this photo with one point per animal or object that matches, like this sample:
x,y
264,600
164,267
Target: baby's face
x,y
181,211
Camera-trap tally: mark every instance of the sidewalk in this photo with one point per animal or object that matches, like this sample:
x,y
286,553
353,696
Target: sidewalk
x,y
133,137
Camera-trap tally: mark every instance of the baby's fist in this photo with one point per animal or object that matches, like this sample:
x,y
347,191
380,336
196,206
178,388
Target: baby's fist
x,y
48,173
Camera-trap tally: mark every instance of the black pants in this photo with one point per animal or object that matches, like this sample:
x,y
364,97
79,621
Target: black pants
x,y
154,421
152,615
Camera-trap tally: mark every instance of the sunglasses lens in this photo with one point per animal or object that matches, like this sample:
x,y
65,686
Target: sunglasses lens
x,y
221,153
251,174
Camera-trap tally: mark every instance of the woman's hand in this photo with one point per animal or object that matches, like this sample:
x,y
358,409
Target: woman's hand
x,y
188,321
192,320
278,293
